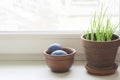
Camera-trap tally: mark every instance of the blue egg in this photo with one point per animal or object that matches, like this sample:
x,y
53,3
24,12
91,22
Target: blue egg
x,y
53,47
58,53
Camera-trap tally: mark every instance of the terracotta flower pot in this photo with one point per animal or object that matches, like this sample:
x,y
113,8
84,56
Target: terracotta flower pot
x,y
101,55
60,63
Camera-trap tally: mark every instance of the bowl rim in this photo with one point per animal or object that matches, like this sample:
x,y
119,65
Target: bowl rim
x,y
72,53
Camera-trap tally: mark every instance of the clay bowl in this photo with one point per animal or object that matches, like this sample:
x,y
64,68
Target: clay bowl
x,y
61,63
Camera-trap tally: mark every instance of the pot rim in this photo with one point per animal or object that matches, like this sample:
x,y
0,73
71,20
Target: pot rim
x,y
101,41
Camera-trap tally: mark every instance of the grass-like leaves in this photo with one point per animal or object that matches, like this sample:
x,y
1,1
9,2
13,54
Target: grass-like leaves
x,y
101,28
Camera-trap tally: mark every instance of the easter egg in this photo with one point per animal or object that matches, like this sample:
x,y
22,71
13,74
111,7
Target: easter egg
x,y
53,47
58,52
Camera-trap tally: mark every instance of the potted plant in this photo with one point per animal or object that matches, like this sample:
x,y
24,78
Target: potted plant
x,y
58,58
101,45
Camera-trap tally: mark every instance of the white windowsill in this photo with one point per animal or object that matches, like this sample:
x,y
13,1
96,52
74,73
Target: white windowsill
x,y
38,70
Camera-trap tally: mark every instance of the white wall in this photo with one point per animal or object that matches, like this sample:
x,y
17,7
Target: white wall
x,y
31,47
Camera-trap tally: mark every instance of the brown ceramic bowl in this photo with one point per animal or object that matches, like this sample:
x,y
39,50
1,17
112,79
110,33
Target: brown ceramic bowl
x,y
61,63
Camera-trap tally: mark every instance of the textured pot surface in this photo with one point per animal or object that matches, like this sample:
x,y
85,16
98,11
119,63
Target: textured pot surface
x,y
60,63
101,54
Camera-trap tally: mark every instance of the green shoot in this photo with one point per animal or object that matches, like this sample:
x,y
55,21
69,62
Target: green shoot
x,y
101,29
